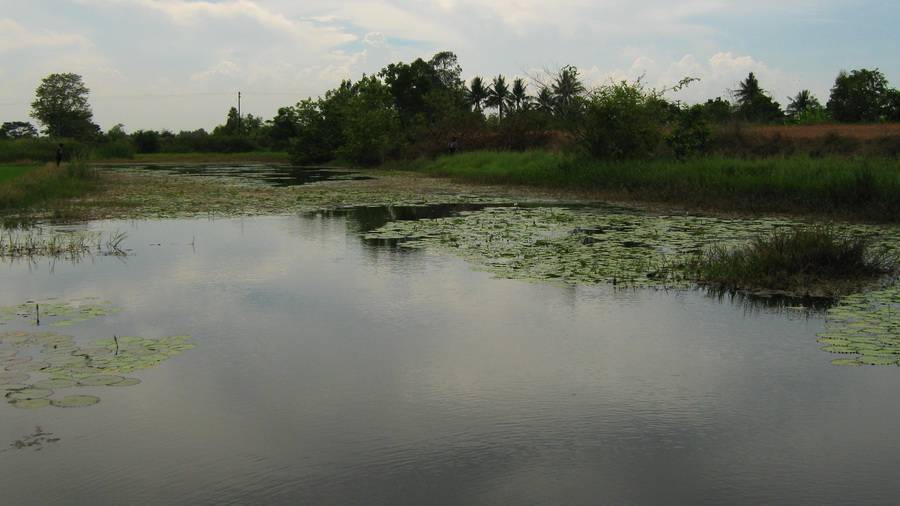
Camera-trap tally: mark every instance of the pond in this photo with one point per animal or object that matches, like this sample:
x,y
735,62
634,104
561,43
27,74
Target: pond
x,y
323,367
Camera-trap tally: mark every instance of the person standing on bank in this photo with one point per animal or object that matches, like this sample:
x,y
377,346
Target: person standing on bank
x,y
59,154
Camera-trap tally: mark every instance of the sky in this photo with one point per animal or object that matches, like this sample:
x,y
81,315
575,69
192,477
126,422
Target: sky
x,y
178,64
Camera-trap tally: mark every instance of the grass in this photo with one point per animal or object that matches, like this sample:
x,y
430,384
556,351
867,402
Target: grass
x,y
46,184
801,261
10,171
864,188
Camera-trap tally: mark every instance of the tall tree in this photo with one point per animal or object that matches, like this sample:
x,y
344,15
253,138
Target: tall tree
x,y
519,94
803,103
17,130
446,67
568,92
499,95
754,104
61,105
544,101
862,95
478,93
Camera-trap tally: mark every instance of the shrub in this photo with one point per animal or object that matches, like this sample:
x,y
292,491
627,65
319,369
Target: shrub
x,y
622,121
691,134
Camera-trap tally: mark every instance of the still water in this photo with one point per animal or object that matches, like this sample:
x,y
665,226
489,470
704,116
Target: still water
x,y
329,370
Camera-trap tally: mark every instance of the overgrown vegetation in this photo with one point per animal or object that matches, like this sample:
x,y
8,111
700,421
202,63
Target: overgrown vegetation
x,y
868,188
797,260
47,183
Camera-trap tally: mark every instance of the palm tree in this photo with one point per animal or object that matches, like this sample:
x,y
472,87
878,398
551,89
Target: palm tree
x,y
748,91
498,95
567,86
803,102
545,102
519,95
478,93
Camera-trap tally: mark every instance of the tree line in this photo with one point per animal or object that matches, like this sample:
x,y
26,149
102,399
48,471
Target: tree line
x,y
425,107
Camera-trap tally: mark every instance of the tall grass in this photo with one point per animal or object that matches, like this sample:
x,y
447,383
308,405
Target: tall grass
x,y
12,171
47,183
863,187
801,259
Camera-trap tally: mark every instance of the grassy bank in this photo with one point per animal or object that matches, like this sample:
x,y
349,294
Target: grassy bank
x,y
9,171
865,188
40,185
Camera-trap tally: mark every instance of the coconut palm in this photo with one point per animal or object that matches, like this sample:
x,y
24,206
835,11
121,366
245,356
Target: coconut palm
x,y
544,100
803,102
498,95
477,93
519,95
567,86
748,91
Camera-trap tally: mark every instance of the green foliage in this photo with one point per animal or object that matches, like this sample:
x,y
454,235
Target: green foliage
x,y
499,96
805,108
754,104
373,127
47,183
146,141
61,105
568,95
691,134
718,110
800,258
477,93
840,186
860,96
17,130
621,121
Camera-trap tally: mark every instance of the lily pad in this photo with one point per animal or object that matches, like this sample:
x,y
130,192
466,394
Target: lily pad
x,y
29,403
99,380
55,383
75,401
29,393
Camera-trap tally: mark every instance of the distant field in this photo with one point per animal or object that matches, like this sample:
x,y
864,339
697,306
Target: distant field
x,y
10,171
861,132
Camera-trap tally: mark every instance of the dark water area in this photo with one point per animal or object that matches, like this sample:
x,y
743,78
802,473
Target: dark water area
x,y
332,370
273,175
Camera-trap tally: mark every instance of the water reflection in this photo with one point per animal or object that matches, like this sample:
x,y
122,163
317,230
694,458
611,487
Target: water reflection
x,y
272,175
331,371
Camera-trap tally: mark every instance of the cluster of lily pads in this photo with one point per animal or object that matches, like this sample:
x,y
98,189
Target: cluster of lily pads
x,y
575,245
865,328
57,313
64,364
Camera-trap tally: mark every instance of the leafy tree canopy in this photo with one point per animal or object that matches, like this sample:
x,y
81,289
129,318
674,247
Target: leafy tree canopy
x,y
17,130
61,105
861,96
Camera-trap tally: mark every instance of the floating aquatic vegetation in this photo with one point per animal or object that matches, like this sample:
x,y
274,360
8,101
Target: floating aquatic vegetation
x,y
57,313
65,364
75,401
866,326
585,245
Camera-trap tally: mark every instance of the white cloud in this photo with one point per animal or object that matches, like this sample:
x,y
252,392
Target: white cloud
x,y
17,38
718,74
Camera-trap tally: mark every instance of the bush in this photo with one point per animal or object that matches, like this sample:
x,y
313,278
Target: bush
x,y
622,121
115,149
691,134
146,141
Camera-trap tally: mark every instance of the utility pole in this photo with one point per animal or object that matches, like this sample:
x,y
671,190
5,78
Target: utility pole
x,y
239,112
